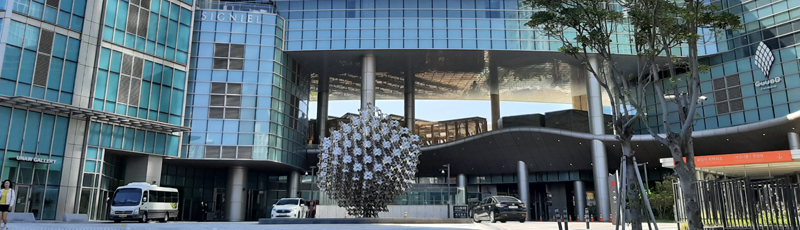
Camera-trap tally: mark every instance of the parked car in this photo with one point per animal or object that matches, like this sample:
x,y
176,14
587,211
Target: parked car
x,y
500,208
290,207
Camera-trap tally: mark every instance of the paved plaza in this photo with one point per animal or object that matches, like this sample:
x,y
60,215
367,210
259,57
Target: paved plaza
x,y
254,225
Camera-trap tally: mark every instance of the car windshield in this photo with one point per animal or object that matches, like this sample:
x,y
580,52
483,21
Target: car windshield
x,y
127,197
288,201
507,199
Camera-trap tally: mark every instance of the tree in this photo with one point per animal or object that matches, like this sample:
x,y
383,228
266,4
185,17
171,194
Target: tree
x,y
662,198
587,29
660,26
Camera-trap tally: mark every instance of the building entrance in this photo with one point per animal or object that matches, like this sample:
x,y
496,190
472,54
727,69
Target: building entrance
x,y
23,196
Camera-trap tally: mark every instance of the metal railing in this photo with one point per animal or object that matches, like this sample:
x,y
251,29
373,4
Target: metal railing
x,y
745,204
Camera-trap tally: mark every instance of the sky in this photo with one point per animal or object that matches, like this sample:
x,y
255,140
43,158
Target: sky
x,y
440,110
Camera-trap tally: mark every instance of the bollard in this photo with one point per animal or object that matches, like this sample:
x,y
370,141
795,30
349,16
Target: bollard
x,y
565,218
405,214
585,215
558,220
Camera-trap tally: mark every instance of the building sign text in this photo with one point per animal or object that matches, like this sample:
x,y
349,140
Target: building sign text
x,y
229,17
35,160
769,83
743,158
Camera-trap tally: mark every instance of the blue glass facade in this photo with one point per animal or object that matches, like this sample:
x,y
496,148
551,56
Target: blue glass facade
x,y
416,24
37,135
248,99
39,63
234,76
735,95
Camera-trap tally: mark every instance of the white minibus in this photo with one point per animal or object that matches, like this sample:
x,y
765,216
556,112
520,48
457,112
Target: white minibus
x,y
142,201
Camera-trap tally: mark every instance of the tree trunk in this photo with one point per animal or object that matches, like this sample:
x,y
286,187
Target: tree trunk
x,y
631,189
688,183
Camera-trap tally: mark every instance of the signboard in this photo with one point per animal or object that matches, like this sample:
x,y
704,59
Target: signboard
x,y
460,212
35,160
230,17
769,83
743,158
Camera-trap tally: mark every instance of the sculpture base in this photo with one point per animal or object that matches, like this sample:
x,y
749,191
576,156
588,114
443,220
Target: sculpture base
x,y
362,221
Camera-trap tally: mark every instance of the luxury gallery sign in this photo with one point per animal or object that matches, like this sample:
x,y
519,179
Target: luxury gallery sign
x,y
230,17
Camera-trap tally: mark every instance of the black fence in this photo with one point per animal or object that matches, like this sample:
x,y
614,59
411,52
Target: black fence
x,y
745,204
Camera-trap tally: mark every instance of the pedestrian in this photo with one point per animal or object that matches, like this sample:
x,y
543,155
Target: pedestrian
x,y
203,211
7,199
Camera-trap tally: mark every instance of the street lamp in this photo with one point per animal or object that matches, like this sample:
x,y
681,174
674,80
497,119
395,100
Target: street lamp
x,y
448,187
313,181
644,165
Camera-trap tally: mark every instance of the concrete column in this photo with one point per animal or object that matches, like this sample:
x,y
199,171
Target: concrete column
x,y
794,141
294,184
368,80
409,101
524,192
145,168
597,127
72,163
461,183
322,107
580,199
494,93
235,193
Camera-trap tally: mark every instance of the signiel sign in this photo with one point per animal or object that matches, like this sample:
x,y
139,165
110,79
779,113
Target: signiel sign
x,y
35,160
230,17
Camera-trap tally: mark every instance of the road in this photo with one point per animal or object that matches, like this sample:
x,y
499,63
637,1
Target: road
x,y
254,225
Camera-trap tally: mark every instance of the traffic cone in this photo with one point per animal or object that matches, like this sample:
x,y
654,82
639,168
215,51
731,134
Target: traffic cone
x,y
592,218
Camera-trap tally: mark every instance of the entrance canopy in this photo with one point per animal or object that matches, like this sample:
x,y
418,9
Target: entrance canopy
x,y
753,165
528,76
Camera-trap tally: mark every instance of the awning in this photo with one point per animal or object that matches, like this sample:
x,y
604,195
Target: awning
x,y
86,113
753,165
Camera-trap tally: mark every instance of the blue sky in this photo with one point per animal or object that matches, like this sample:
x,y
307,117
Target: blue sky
x,y
439,110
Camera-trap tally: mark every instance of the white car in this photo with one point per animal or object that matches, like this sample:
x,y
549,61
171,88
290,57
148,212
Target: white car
x,y
290,207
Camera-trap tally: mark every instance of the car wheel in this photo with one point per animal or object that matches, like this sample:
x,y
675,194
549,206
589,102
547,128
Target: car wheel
x,y
503,221
117,221
144,218
491,217
166,218
475,218
522,221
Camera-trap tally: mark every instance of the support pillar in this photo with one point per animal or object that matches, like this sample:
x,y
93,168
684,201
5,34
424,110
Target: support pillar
x,y
597,127
235,193
494,93
322,107
580,199
409,101
368,80
294,184
143,168
524,192
461,182
794,141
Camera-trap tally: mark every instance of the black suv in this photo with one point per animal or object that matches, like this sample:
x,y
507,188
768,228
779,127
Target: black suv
x,y
500,208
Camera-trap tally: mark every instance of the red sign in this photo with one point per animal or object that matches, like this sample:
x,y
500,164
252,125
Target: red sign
x,y
743,158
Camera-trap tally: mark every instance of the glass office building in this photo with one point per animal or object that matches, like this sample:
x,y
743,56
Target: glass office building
x,y
733,86
212,97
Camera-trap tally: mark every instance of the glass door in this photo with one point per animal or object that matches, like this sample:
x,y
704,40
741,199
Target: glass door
x,y
23,196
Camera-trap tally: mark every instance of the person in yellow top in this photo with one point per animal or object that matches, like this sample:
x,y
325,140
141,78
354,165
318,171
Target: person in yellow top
x,y
7,199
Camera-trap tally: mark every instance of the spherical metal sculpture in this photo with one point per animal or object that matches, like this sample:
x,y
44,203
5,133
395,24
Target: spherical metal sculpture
x,y
367,163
